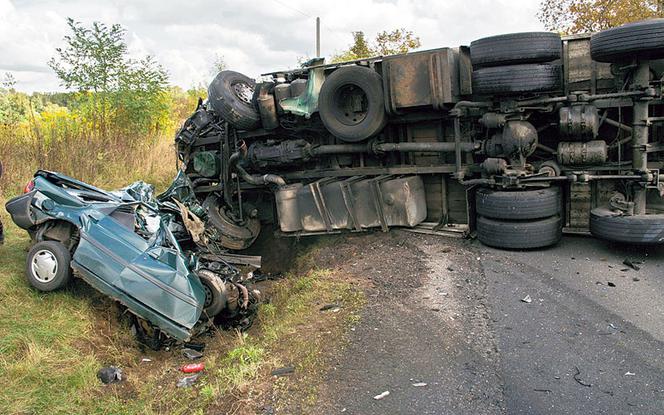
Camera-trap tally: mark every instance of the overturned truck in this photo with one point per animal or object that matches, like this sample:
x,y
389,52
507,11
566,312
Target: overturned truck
x,y
515,139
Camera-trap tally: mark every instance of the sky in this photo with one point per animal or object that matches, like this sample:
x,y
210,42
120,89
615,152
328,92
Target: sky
x,y
252,36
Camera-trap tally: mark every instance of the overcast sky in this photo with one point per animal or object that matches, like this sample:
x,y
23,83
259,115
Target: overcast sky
x,y
253,36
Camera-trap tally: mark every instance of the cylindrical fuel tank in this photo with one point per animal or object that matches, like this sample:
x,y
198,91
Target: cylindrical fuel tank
x,y
579,122
287,210
577,154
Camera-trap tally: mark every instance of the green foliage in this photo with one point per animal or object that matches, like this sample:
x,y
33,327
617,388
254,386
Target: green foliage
x,y
577,16
386,43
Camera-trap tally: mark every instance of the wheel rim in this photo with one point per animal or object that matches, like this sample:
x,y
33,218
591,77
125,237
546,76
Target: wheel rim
x,y
44,266
208,296
243,91
351,104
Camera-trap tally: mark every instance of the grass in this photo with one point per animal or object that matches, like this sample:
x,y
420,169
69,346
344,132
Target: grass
x,y
51,346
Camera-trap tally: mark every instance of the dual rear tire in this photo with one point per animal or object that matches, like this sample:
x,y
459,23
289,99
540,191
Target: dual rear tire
x,y
519,219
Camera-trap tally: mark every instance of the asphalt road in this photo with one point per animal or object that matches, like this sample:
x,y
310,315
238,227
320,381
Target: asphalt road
x,y
590,341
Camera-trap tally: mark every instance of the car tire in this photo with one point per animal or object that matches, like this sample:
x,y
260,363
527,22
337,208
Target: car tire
x,y
235,236
515,48
640,40
48,266
230,95
215,294
353,85
518,204
636,229
519,234
517,79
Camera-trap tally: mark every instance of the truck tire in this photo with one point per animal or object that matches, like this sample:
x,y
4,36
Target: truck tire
x,y
518,204
517,79
640,40
48,266
636,229
515,48
519,234
230,95
351,103
233,235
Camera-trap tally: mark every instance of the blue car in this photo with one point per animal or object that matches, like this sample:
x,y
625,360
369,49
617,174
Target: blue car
x,y
127,245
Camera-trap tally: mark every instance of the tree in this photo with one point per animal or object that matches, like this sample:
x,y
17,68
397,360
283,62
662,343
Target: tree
x,y
385,43
218,64
577,16
115,88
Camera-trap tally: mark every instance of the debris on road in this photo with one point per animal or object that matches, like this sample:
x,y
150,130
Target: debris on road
x,y
636,279
543,390
631,264
191,354
287,370
381,396
527,299
192,368
610,284
110,374
578,380
630,374
419,384
187,381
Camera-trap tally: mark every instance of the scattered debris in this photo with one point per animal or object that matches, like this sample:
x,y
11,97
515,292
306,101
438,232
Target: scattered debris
x,y
450,269
419,384
187,381
145,359
636,279
330,307
610,284
630,374
287,370
382,395
543,390
631,264
109,374
435,309
527,299
192,368
196,346
578,380
191,354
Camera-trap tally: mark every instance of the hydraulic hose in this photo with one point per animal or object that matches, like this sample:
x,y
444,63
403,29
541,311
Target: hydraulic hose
x,y
255,179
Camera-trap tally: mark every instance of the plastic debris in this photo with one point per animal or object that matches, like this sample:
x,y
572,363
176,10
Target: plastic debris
x,y
610,284
527,299
192,368
579,380
419,384
187,381
283,371
382,395
631,264
630,374
145,359
110,374
191,354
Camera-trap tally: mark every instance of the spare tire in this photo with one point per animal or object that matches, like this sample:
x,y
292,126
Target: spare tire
x,y
230,95
351,103
636,229
516,79
519,204
640,40
516,48
519,234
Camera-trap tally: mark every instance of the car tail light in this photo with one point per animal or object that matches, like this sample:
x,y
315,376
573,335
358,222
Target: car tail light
x,y
29,187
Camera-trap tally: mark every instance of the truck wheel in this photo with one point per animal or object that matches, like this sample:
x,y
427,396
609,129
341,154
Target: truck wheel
x,y
233,235
230,95
636,229
47,266
640,40
517,79
519,204
519,234
516,48
351,103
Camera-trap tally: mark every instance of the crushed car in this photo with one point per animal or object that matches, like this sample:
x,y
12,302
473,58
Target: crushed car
x,y
149,253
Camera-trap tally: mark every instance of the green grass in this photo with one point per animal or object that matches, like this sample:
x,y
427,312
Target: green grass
x,y
52,344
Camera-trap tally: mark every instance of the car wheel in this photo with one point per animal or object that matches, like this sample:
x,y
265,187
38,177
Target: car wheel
x,y
48,266
640,40
517,79
636,229
516,48
518,204
215,294
519,234
233,235
351,103
230,95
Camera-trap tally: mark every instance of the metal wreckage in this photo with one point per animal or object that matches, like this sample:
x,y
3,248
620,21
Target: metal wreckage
x,y
514,139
